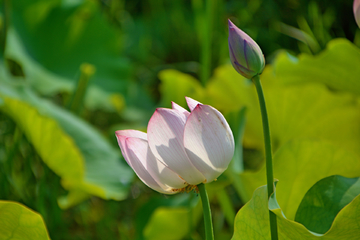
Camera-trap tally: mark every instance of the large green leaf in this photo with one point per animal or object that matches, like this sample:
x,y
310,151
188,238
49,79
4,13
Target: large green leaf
x,y
79,34
73,149
252,221
48,139
20,223
301,111
337,67
168,218
43,80
168,223
324,200
312,111
48,83
299,165
176,85
68,35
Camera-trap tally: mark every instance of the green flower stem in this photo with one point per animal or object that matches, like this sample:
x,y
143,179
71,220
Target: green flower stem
x,y
206,41
268,154
76,102
4,25
209,232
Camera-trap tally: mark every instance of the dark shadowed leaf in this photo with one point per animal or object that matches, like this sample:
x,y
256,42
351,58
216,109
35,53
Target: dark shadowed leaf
x,y
324,200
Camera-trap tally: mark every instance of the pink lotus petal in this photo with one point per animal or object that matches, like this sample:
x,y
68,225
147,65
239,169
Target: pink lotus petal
x,y
138,168
180,109
208,141
191,103
165,137
135,155
131,133
121,136
166,178
356,9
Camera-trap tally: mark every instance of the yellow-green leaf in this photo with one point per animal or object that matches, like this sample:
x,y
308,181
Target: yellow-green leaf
x,y
337,67
54,146
18,222
169,219
176,85
295,111
168,224
85,161
252,221
299,165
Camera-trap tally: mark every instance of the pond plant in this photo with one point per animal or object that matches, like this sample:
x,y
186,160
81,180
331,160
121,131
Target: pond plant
x,y
210,141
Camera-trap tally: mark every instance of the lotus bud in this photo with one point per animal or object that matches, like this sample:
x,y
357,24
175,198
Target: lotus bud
x,y
245,55
356,8
181,149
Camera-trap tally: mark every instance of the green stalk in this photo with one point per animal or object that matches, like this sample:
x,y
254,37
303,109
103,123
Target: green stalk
x,y
76,102
209,232
268,154
206,41
4,25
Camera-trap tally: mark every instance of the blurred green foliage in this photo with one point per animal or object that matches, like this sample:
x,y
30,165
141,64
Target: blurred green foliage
x,y
18,222
74,71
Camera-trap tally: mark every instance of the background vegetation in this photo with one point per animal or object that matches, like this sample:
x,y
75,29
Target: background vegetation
x,y
74,71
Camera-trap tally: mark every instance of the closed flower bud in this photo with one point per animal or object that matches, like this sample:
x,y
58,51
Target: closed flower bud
x,y
245,55
181,149
356,8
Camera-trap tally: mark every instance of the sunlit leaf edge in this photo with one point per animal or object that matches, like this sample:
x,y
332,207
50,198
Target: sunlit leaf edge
x,y
80,182
29,224
42,131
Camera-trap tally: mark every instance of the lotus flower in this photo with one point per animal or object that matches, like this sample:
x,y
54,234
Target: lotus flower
x,y
245,55
356,8
181,149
